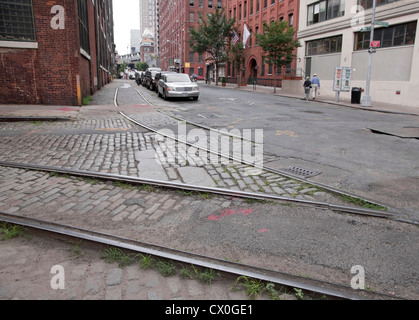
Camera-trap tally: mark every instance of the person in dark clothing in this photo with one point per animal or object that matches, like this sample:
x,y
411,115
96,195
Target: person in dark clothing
x,y
307,86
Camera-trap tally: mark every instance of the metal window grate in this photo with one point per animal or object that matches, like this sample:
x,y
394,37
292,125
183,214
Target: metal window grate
x,y
16,20
83,25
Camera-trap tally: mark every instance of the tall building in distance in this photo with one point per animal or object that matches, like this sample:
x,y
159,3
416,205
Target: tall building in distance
x,y
135,40
148,10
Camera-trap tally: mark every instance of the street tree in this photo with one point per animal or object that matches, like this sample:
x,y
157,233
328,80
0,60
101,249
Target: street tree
x,y
141,66
211,38
279,43
236,55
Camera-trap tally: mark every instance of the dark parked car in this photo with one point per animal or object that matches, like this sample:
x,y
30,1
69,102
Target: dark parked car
x,y
150,78
138,76
177,85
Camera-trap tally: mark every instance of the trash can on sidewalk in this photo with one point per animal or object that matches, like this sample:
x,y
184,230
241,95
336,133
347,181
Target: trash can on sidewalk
x,y
356,95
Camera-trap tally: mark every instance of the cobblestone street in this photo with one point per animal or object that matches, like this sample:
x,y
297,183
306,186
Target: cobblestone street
x,y
266,234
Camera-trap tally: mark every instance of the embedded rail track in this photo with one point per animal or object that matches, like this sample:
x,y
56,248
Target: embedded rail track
x,y
341,208
310,285
326,290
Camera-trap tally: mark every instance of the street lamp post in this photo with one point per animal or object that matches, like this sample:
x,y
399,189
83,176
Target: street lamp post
x,y
366,99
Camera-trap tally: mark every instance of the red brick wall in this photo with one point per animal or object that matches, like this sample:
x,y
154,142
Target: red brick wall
x,y
17,76
47,75
58,53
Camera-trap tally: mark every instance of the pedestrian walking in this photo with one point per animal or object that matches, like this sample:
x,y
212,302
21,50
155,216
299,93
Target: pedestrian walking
x,y
307,86
315,84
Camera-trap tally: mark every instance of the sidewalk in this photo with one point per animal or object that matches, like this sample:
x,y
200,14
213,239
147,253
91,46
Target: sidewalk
x,y
344,102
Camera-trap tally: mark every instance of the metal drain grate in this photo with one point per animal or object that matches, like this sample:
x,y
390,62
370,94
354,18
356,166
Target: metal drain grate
x,y
301,172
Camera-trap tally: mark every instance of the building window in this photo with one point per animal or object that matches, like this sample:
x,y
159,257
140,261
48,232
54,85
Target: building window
x,y
324,46
191,16
83,25
265,3
201,3
16,21
367,4
191,3
257,5
290,20
256,33
191,57
240,12
393,36
251,7
245,10
250,38
325,10
219,4
209,3
262,66
269,67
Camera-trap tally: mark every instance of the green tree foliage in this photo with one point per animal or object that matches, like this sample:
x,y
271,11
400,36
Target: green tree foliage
x,y
141,66
278,42
211,38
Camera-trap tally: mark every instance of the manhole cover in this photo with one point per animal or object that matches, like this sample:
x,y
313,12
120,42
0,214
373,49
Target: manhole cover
x,y
301,172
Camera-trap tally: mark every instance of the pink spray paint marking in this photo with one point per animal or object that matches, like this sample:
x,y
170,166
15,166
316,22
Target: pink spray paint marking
x,y
228,212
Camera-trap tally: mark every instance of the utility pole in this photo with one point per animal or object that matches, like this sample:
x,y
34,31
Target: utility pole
x,y
366,99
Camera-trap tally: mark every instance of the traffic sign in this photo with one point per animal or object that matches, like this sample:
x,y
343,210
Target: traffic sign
x,y
375,44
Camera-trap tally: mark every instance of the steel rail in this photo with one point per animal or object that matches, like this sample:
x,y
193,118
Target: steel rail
x,y
243,161
194,123
203,189
230,267
205,127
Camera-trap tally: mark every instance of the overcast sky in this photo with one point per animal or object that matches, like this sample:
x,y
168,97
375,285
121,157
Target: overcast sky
x,y
126,16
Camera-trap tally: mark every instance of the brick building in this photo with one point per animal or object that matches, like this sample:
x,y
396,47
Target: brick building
x,y
253,14
176,18
54,52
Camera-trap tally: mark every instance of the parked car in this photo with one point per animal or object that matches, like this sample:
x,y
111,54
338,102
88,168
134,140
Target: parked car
x,y
158,76
138,77
195,77
131,74
149,78
177,85
143,82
